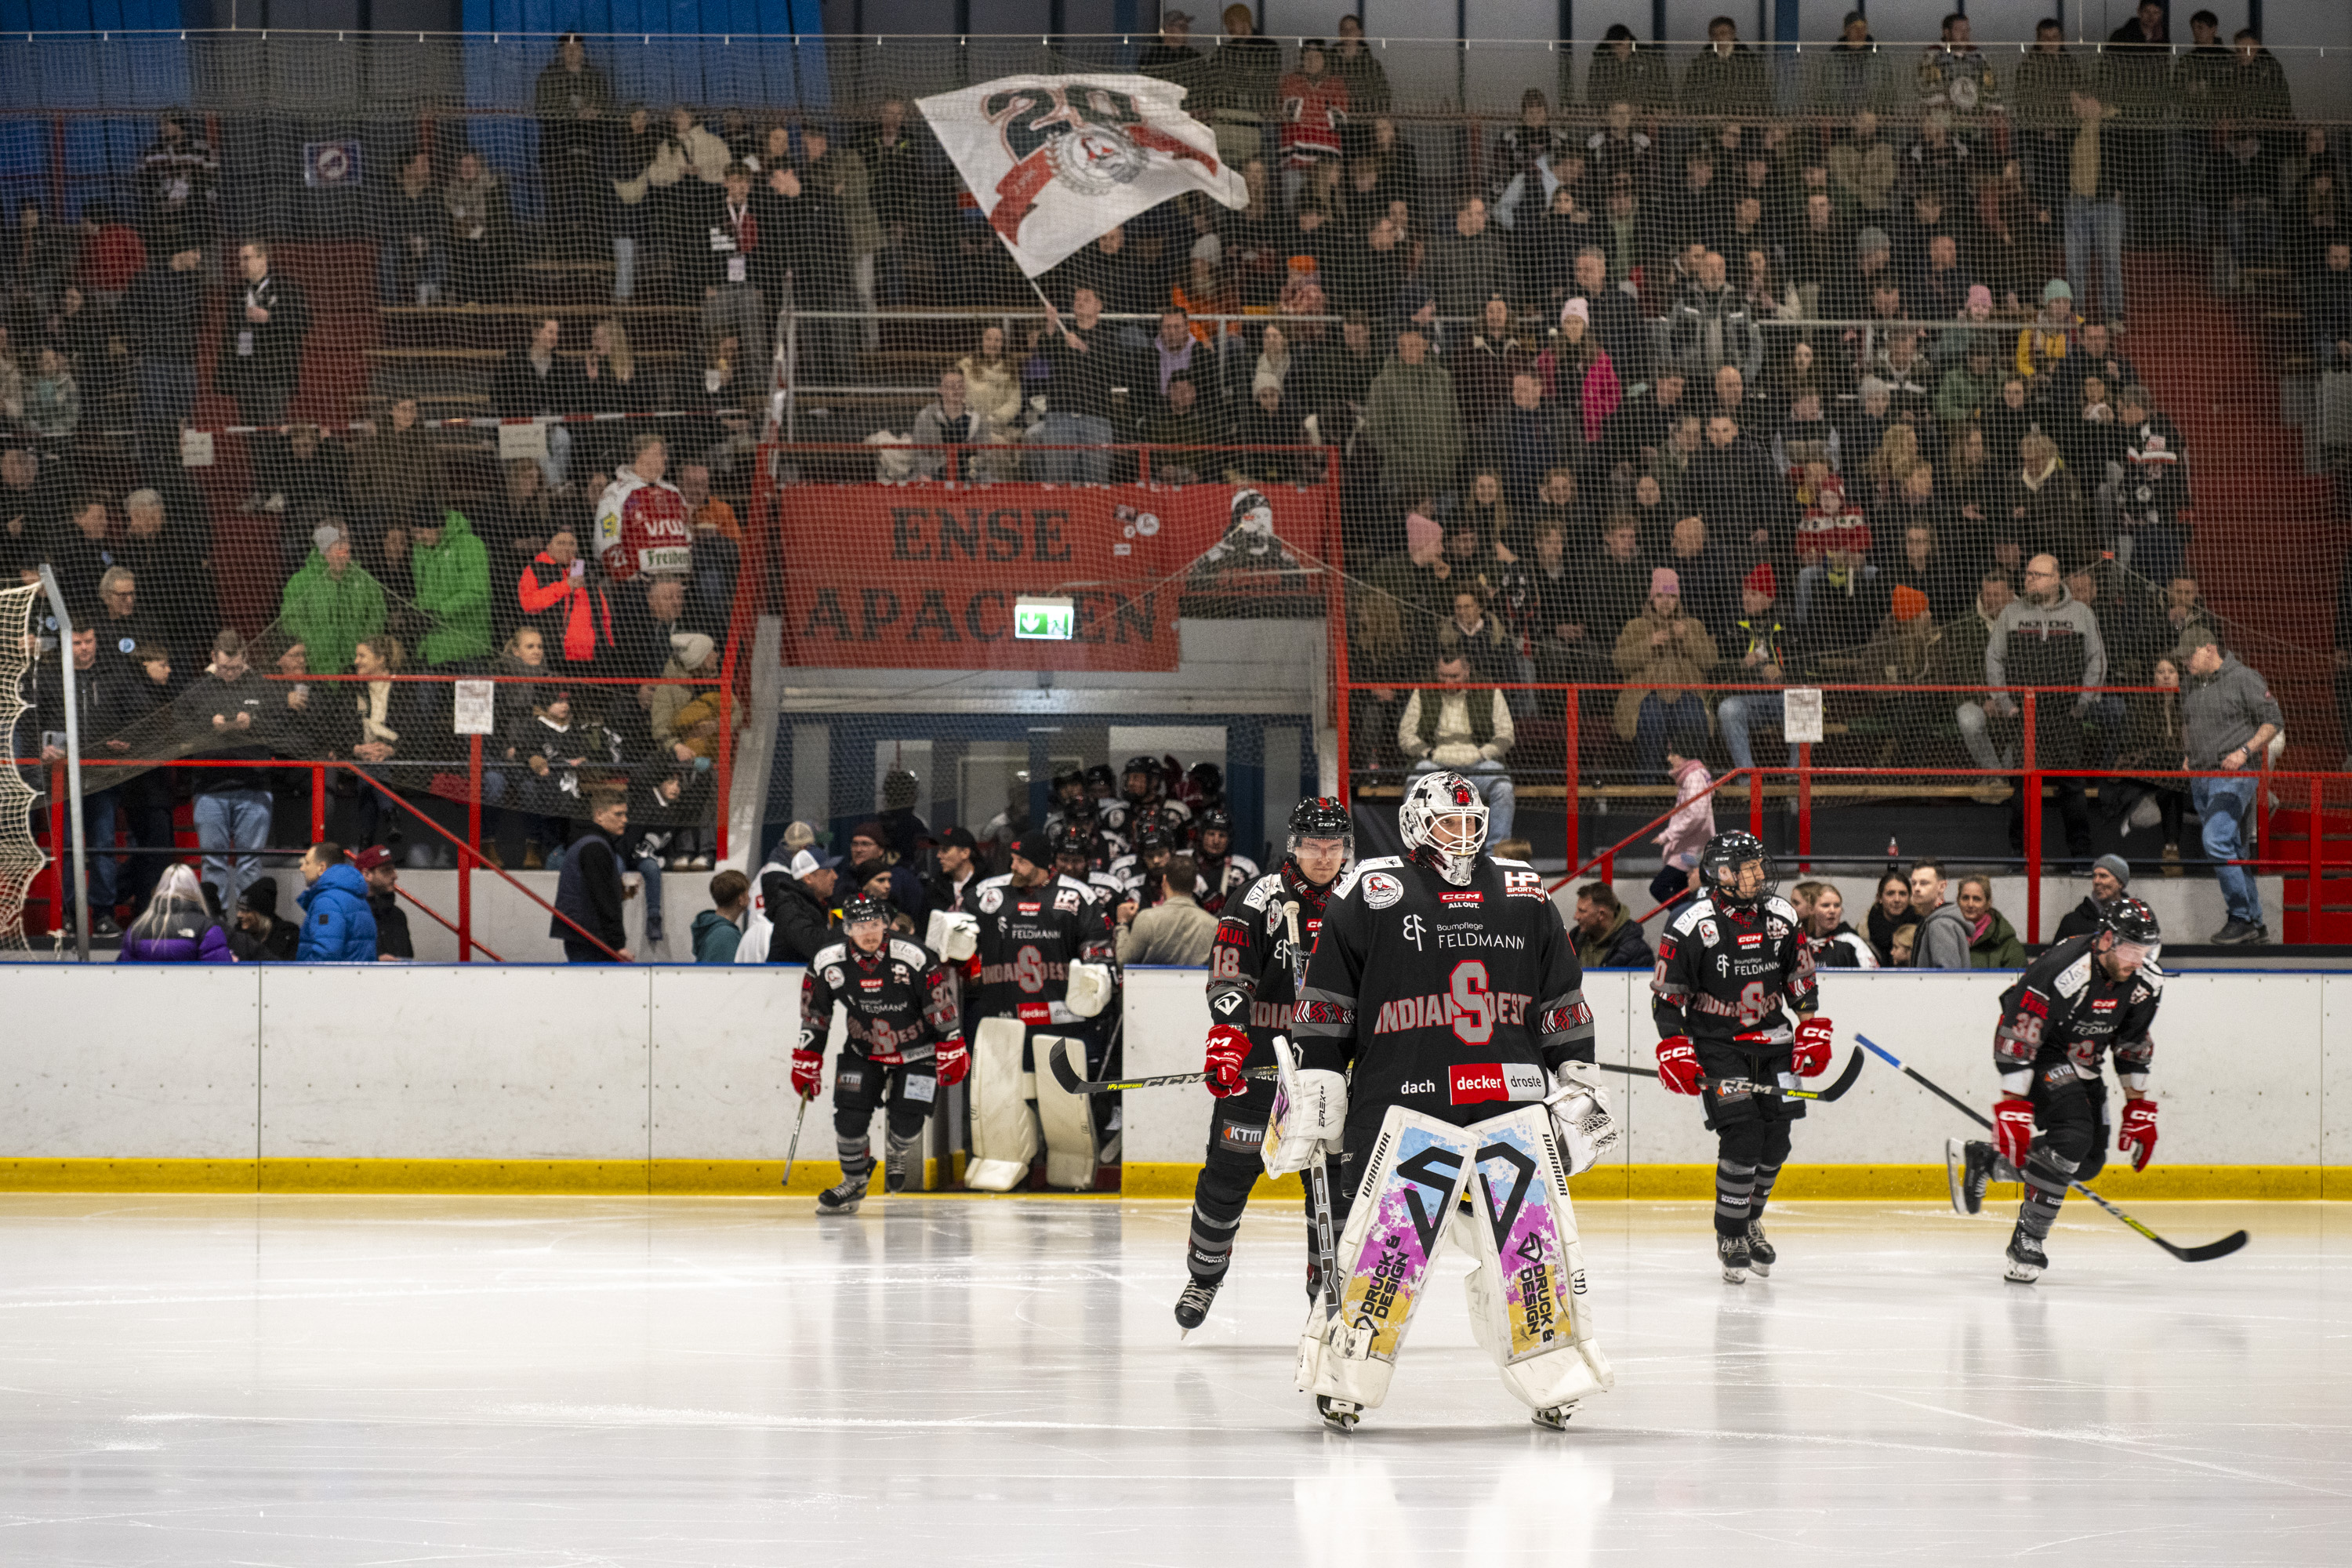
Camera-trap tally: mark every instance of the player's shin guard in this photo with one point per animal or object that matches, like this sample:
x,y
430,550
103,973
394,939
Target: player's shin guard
x,y
1004,1130
1735,1185
1528,1308
2046,1174
1069,1122
1413,1179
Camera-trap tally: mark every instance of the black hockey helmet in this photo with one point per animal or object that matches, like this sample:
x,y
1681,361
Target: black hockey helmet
x,y
1072,838
859,910
1103,784
1081,809
2134,925
1215,819
1321,816
1065,777
1149,768
1718,870
1207,781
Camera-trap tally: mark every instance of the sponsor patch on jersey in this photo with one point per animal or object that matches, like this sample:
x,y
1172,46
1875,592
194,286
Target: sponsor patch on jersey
x,y
850,1078
874,984
990,900
1471,897
1029,909
1069,900
1240,1135
1034,1012
1473,1082
1752,939
834,978
1418,1085
921,1087
1523,884
2104,1005
1381,890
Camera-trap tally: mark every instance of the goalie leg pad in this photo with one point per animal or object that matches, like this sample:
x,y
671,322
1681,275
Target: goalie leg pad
x,y
1526,1294
1411,1182
1070,1121
1003,1131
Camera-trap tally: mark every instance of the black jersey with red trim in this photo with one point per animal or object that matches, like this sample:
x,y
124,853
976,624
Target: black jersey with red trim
x,y
1724,970
1224,879
1252,981
2066,1005
1449,1000
897,1004
1028,939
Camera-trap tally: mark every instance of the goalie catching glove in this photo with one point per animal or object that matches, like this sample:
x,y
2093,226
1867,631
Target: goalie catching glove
x,y
808,1071
2138,1136
1581,1118
1811,1053
2012,1129
1089,990
1228,1048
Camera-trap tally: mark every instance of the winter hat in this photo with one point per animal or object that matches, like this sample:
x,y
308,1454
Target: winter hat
x,y
1761,581
798,835
325,534
1423,534
1872,386
2115,866
260,896
1870,239
2057,289
1577,307
691,648
1980,297
1262,380
871,830
1910,604
1033,848
1664,580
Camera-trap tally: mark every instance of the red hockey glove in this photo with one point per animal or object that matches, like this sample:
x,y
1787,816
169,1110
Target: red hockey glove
x,y
1678,1064
1228,1047
2139,1137
952,1061
808,1069
2012,1129
1811,1052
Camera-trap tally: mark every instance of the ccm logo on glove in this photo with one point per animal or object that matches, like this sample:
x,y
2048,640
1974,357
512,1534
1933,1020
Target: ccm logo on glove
x,y
2138,1135
1475,1081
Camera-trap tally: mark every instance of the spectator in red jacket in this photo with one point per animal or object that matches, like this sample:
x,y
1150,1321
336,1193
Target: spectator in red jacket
x,y
566,602
111,256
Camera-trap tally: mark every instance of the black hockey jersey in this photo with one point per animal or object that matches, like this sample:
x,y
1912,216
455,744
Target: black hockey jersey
x,y
897,1003
1028,939
1723,971
1223,881
1251,985
2064,1005
1442,998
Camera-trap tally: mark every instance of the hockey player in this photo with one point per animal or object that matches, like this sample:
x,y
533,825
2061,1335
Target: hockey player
x,y
2088,996
1074,850
1441,1011
1261,946
1138,875
901,1044
641,523
1223,874
1069,788
1139,791
1733,997
1040,966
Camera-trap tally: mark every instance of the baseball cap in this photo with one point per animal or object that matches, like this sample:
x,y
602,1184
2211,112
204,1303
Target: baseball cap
x,y
374,856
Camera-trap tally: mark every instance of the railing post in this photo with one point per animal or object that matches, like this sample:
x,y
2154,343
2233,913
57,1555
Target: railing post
x,y
1573,743
2031,801
2316,860
58,862
474,848
1756,803
1804,806
723,774
319,803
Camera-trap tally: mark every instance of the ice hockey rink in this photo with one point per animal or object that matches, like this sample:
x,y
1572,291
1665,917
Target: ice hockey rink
x,y
326,1380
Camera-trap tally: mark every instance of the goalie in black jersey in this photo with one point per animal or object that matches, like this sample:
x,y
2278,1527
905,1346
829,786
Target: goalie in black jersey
x,y
1261,949
901,1044
1733,997
2086,997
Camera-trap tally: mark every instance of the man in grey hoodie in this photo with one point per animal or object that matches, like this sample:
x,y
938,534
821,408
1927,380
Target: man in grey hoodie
x,y
1943,930
2228,720
2047,637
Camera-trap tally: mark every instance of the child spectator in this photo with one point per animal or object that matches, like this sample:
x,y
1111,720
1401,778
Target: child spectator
x,y
1688,829
719,929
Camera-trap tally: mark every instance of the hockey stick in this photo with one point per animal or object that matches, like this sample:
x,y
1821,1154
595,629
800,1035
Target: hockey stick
x,y
1835,1088
793,1152
2205,1254
1058,1060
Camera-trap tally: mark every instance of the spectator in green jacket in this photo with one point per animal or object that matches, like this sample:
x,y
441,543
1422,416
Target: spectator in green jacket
x,y
1992,941
1412,420
332,605
719,929
452,584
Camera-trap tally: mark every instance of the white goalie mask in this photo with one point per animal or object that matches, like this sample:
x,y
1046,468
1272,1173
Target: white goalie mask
x,y
1444,823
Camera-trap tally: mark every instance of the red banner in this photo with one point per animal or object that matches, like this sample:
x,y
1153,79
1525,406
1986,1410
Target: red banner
x,y
927,576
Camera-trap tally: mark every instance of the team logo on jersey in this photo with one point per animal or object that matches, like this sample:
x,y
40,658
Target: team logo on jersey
x,y
834,978
1475,1081
1471,897
1029,969
1414,929
1706,933
990,900
1381,890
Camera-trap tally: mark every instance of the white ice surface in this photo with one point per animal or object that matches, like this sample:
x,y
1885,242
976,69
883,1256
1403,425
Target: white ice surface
x,y
332,1381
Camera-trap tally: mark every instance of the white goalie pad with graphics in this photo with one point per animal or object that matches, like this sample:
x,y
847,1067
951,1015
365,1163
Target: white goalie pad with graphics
x,y
1070,1121
1411,1182
1528,1307
1004,1130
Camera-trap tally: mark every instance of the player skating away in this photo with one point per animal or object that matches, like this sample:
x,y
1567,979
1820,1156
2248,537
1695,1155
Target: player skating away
x,y
901,1044
2086,997
1442,1008
1733,971
1224,874
1262,944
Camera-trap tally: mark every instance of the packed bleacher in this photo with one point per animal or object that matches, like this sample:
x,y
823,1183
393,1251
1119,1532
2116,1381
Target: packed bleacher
x,y
1709,373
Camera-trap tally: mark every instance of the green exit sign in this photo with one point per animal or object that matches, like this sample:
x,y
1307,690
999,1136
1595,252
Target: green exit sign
x,y
1044,620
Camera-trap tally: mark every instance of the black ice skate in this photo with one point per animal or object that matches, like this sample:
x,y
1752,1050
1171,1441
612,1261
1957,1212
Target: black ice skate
x,y
1337,1413
2026,1259
1192,1306
1555,1418
842,1199
1761,1255
1733,1252
1970,1166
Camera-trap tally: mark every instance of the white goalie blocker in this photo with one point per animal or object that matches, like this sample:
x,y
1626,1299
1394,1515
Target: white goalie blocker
x,y
1528,1306
1006,1129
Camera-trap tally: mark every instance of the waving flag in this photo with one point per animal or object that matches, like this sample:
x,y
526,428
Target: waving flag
x,y
1055,161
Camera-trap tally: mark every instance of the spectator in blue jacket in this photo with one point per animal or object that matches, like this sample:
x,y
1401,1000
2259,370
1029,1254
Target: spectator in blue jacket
x,y
337,925
178,926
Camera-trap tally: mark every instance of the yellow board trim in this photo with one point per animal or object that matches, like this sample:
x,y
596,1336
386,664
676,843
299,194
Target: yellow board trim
x,y
1141,1180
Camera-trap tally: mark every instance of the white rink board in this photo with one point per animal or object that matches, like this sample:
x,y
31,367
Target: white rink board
x,y
722,1061
160,1065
